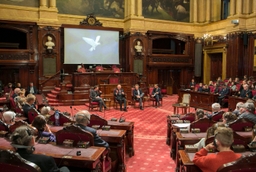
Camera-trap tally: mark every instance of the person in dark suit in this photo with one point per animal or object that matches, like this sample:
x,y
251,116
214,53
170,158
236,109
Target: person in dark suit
x,y
246,93
200,88
138,95
223,93
23,141
192,84
120,97
82,120
30,104
95,96
156,93
31,89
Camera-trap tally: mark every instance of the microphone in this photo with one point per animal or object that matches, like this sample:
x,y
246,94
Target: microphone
x,y
71,111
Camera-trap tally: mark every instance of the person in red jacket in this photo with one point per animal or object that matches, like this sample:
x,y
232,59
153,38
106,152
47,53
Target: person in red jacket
x,y
222,142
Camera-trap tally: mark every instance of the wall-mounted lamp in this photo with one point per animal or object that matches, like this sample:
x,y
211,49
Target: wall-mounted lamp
x,y
235,22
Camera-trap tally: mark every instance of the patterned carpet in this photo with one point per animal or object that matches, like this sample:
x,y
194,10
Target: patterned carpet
x,y
151,152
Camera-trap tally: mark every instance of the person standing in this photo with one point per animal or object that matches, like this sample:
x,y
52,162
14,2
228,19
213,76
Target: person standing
x,y
95,96
138,95
120,97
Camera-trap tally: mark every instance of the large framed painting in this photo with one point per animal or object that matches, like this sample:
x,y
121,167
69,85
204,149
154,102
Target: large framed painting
x,y
27,3
174,10
99,8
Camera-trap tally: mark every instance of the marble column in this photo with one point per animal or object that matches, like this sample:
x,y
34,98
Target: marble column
x,y
42,3
232,7
254,6
52,3
195,11
139,8
208,11
239,7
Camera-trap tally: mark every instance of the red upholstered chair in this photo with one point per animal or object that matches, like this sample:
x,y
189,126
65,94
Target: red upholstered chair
x,y
203,124
240,124
218,116
253,93
12,104
21,123
246,163
152,98
74,133
32,113
190,117
10,161
98,68
62,119
3,126
93,104
97,120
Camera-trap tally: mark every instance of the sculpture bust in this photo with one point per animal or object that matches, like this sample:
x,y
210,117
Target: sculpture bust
x,y
49,44
138,47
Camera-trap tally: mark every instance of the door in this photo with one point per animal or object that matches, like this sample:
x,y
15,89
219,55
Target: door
x,y
216,66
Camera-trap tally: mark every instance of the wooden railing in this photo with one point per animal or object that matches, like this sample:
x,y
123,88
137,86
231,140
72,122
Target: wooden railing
x,y
42,84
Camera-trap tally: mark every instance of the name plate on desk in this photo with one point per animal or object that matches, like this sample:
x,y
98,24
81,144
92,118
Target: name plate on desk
x,y
106,127
238,148
191,148
195,130
68,143
82,144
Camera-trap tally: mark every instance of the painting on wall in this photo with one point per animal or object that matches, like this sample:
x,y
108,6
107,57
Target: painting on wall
x,y
99,8
174,10
27,3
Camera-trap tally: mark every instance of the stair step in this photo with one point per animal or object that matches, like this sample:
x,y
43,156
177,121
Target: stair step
x,y
55,92
52,100
51,95
57,89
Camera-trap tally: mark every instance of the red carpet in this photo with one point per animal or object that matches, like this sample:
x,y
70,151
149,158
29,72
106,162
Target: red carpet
x,y
151,151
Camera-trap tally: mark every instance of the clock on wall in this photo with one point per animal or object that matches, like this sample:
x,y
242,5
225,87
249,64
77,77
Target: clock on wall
x,y
91,21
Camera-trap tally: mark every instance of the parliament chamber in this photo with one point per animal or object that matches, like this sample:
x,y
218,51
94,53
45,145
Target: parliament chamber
x,y
200,54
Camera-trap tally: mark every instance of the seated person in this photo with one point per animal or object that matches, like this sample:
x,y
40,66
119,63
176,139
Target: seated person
x,y
200,114
222,142
215,110
8,90
233,86
98,68
82,120
237,110
30,104
43,129
192,84
246,93
200,88
120,97
20,101
18,85
247,112
23,141
223,93
138,95
31,89
81,69
209,133
210,83
8,117
156,93
16,92
45,111
95,96
227,118
206,89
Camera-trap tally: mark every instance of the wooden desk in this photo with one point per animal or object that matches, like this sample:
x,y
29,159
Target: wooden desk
x,y
40,101
92,157
233,100
129,127
116,138
169,127
199,99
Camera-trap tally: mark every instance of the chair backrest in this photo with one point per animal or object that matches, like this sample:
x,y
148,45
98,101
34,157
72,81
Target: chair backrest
x,y
32,113
62,119
150,90
218,116
97,120
74,133
3,126
240,124
21,123
190,117
186,99
10,161
12,103
246,163
203,124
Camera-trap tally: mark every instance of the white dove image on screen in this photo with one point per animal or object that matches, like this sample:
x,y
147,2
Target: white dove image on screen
x,y
91,42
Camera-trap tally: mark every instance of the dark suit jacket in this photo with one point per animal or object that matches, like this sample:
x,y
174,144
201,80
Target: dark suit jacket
x,y
118,96
94,94
26,108
35,90
46,163
245,94
135,93
223,92
157,90
97,140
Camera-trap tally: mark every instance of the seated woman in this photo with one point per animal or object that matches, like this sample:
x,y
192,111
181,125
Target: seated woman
x,y
23,141
8,117
45,111
222,142
200,114
227,118
30,104
43,129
